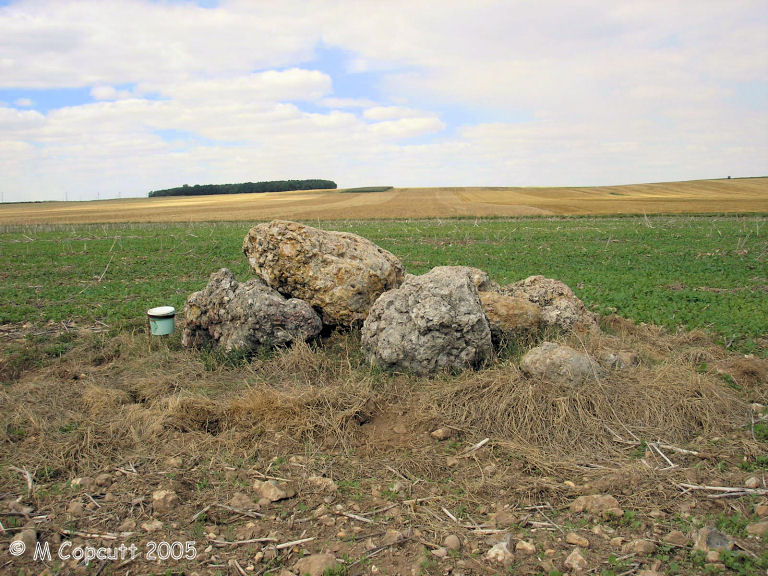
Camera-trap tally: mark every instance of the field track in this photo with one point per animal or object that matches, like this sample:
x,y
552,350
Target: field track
x,y
742,195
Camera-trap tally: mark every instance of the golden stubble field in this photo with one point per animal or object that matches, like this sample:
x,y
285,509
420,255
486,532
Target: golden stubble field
x,y
741,195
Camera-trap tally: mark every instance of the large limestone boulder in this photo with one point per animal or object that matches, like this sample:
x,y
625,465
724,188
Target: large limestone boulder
x,y
246,315
510,317
338,273
431,323
558,363
560,306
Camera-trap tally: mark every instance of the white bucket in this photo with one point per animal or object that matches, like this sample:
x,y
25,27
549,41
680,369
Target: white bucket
x,y
162,320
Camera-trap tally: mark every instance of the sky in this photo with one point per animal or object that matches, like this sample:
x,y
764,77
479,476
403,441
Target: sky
x,y
115,98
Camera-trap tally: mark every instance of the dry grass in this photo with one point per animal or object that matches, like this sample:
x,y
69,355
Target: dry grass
x,y
208,425
143,401
701,196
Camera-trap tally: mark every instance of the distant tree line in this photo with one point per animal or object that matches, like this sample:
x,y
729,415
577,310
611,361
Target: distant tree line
x,y
246,188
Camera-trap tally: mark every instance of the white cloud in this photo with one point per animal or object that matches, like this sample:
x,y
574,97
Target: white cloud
x,y
347,102
407,127
271,86
103,92
378,113
509,92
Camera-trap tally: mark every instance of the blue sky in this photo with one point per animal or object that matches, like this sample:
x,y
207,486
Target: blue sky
x,y
107,98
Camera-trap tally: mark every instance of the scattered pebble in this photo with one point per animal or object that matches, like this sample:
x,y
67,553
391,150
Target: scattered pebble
x,y
442,433
713,556
152,526
525,548
28,537
758,529
316,564
602,504
676,538
127,525
452,542
576,540
500,553
639,547
75,508
104,480
576,561
273,491
752,482
164,501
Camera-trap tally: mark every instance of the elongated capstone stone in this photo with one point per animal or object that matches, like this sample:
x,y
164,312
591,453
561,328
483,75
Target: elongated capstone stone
x,y
338,273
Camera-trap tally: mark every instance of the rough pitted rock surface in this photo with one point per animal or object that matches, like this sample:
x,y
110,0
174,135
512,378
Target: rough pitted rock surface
x,y
510,317
479,278
246,315
338,273
555,362
431,323
560,306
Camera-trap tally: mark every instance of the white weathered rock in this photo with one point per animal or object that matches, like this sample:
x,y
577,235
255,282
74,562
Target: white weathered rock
x,y
576,561
245,315
620,360
525,548
86,483
322,484
338,273
272,491
558,363
500,553
639,547
576,540
432,323
601,504
560,306
152,525
164,501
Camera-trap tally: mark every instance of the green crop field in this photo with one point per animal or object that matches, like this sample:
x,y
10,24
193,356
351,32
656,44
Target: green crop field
x,y
707,272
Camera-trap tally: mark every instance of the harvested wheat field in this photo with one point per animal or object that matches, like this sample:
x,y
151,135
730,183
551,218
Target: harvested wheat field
x,y
738,195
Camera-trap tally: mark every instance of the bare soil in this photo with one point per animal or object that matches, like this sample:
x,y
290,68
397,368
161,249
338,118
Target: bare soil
x,y
89,437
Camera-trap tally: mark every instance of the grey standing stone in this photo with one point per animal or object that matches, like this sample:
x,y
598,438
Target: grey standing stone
x,y
246,315
432,323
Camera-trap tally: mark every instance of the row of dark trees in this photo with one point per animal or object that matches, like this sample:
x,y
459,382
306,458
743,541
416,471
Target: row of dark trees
x,y
246,188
